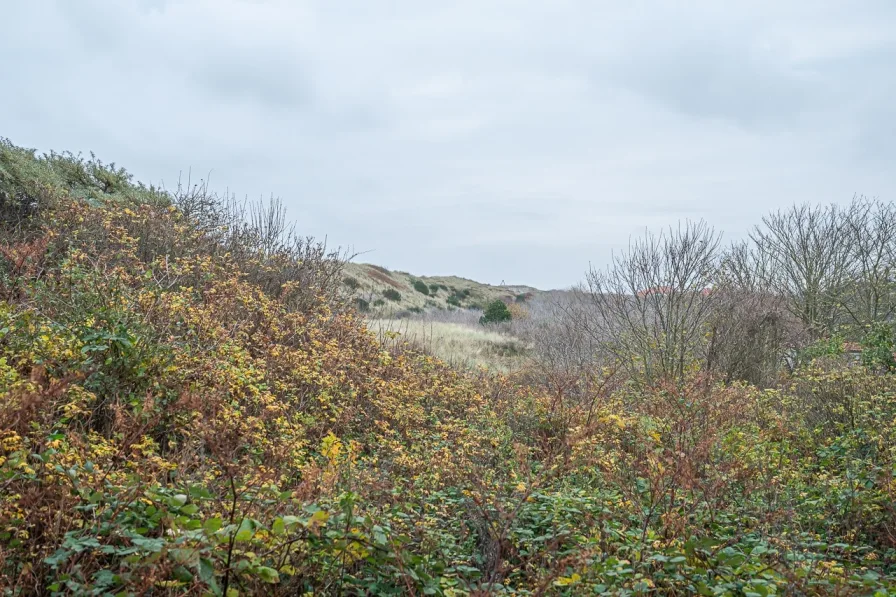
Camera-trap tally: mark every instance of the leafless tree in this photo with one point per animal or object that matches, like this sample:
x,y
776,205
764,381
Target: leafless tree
x,y
751,331
808,256
651,304
868,294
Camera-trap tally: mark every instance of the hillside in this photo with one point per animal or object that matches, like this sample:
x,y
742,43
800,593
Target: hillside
x,y
372,284
191,405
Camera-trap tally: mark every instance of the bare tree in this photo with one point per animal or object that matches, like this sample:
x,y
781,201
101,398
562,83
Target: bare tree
x,y
868,294
651,304
808,255
751,330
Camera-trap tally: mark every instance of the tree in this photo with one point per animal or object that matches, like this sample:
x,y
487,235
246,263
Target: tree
x,y
808,251
651,303
496,312
868,295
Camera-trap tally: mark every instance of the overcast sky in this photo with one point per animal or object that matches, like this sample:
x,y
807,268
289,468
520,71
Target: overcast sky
x,y
497,140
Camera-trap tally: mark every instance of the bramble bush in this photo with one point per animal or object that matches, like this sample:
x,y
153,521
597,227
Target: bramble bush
x,y
192,405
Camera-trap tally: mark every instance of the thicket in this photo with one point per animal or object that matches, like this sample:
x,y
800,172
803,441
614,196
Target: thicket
x,y
190,404
392,294
421,287
496,312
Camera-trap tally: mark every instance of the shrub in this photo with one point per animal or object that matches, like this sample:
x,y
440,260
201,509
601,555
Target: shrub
x,y
392,295
379,303
415,309
434,288
496,312
362,305
421,287
174,422
351,282
518,312
877,348
825,347
453,300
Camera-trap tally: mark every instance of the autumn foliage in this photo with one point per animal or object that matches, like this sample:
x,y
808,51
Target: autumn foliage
x,y
190,409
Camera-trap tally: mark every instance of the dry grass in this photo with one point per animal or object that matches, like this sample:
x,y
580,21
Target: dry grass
x,y
465,346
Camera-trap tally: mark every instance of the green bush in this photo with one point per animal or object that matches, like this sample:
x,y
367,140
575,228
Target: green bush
x,y
421,287
825,347
379,303
877,348
434,288
453,300
392,295
362,305
351,282
496,312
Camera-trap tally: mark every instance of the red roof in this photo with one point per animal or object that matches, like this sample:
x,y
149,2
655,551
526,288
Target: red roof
x,y
667,290
656,290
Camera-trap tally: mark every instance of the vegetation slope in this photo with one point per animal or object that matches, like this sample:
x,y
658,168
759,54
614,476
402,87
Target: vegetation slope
x,y
386,292
190,405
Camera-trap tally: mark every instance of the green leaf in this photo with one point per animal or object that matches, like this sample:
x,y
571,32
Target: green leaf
x,y
278,528
212,525
182,574
246,530
149,544
183,556
268,574
206,571
243,535
292,520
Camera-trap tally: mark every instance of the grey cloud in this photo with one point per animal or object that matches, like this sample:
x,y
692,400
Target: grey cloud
x,y
712,80
498,139
268,79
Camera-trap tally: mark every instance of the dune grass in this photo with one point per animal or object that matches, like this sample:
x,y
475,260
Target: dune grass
x,y
459,344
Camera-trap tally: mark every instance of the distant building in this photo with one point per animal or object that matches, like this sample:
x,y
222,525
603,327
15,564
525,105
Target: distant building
x,y
655,290
667,290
